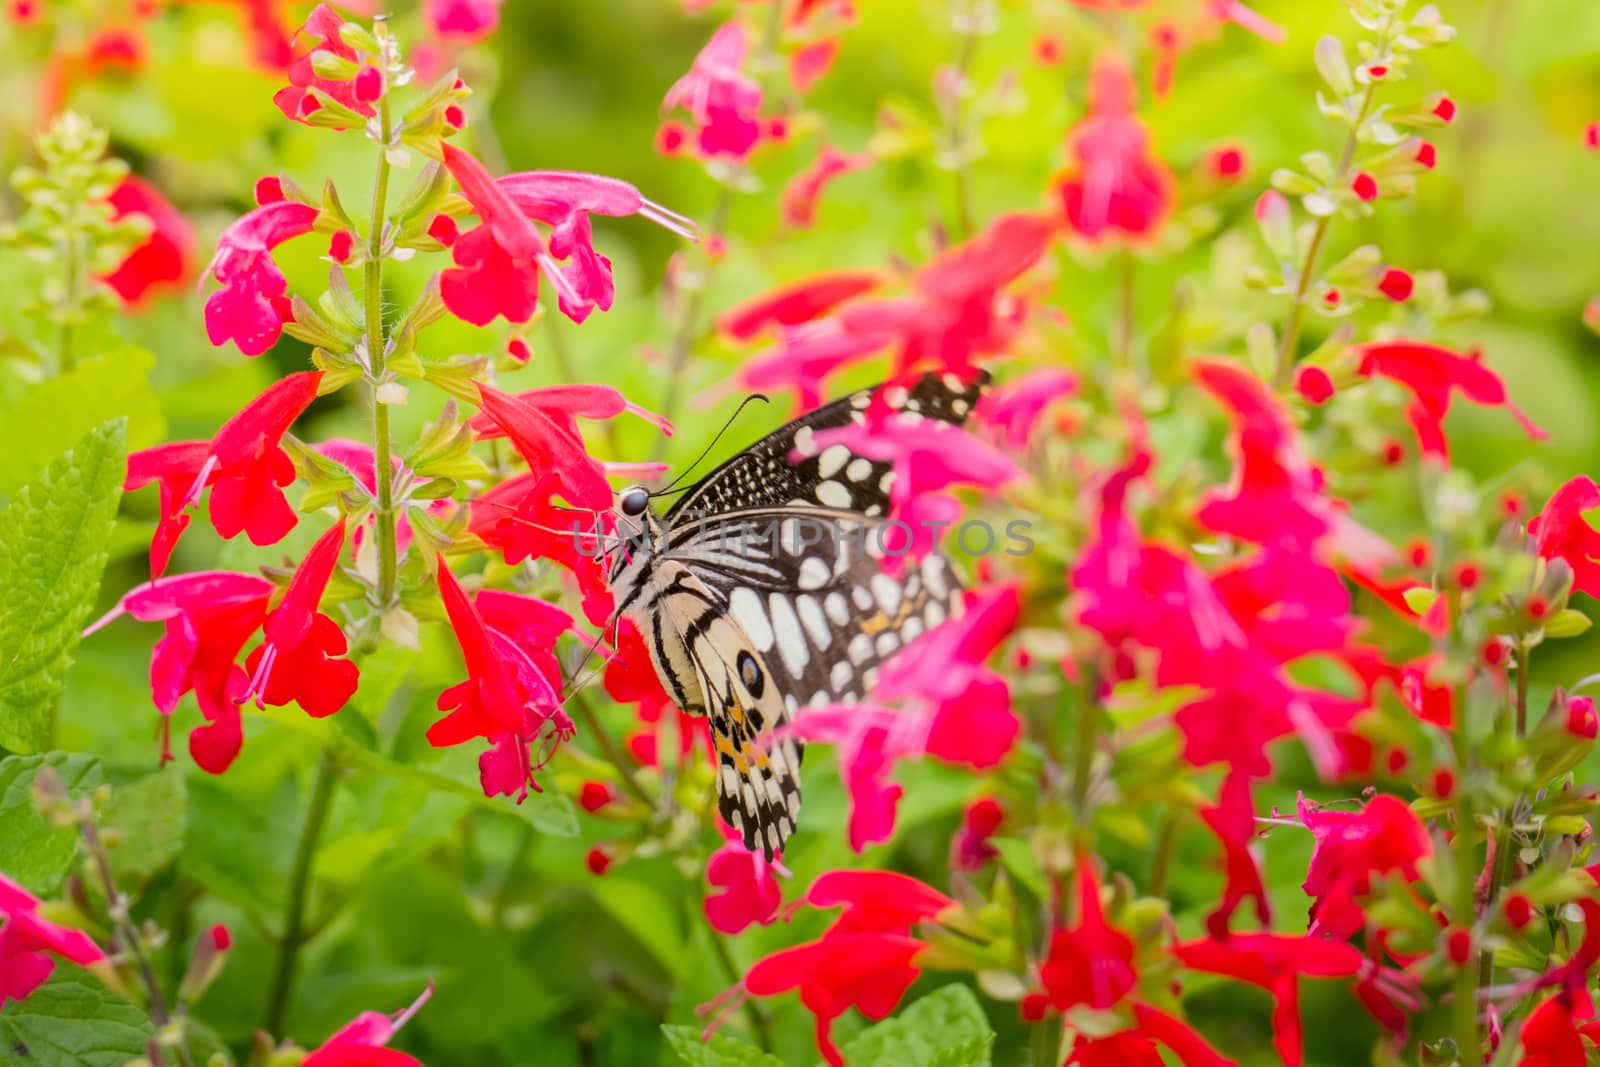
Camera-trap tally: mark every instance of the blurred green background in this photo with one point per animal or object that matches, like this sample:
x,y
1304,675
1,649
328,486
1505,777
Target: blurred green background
x,y
536,960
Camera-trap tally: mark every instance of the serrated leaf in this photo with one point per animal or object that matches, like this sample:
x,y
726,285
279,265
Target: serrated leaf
x,y
151,818
34,853
946,1028
54,540
55,415
73,1020
720,1051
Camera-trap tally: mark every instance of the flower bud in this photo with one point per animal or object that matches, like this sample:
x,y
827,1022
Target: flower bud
x,y
1333,66
206,962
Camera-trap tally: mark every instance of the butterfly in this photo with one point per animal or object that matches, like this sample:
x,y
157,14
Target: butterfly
x,y
763,590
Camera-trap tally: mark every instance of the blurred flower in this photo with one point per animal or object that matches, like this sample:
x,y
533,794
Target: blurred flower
x,y
469,20
165,256
208,616
801,301
1015,407
301,657
971,849
724,101
1396,284
1089,964
250,309
362,1041
1384,837
28,940
1115,188
749,895
1559,532
1432,373
810,62
244,465
1233,820
801,194
1226,162
320,33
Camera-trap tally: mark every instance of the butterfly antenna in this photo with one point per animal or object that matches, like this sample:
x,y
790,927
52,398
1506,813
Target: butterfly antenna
x,y
578,682
707,450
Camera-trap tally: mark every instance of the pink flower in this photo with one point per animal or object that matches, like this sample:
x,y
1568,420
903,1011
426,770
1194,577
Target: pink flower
x,y
801,301
971,849
497,263
208,617
508,698
1559,532
1384,837
299,98
165,256
469,20
250,308
1233,820
749,895
564,200
1115,188
244,465
810,62
300,658
1432,373
1016,407
800,196
724,101
28,940
362,1041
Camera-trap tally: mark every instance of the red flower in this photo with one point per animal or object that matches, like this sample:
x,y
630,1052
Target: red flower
x,y
1432,372
801,194
798,302
1139,1047
564,200
749,895
1385,837
508,698
244,465
1550,1037
1015,407
1275,963
249,309
1233,820
497,263
208,617
299,98
28,940
1115,188
1314,384
520,518
1559,532
1090,963
1396,284
725,102
165,256
362,1041
971,849
468,20
299,660
1226,162
551,446
1365,186
809,63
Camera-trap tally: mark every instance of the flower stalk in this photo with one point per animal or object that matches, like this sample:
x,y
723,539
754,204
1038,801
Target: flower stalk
x,y
294,935
372,293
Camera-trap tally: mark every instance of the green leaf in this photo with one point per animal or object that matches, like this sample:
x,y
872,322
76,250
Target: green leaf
x,y
34,853
56,414
1567,623
73,1020
720,1051
151,817
53,543
946,1028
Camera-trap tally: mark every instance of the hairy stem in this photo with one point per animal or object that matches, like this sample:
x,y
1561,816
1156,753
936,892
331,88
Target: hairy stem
x,y
299,887
126,938
1308,269
372,293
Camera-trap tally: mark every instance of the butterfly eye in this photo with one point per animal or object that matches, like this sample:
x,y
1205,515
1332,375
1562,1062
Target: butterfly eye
x,y
633,500
750,674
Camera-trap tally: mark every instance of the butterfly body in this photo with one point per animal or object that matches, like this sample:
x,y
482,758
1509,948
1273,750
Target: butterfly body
x,y
764,590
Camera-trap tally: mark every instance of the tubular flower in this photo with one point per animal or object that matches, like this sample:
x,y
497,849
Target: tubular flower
x,y
28,941
1116,188
164,257
1559,532
362,1041
724,101
1432,373
799,302
300,659
550,446
244,465
299,98
208,617
800,196
520,519
1015,408
250,308
464,20
749,892
564,200
508,697
1385,837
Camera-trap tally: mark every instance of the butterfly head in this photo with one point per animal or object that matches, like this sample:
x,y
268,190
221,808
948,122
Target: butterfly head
x,y
633,501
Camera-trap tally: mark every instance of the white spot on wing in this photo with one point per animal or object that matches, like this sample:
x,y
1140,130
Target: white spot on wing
x,y
839,677
833,457
833,494
933,574
860,649
863,598
745,607
811,618
858,470
792,647
805,440
814,573
887,590
838,608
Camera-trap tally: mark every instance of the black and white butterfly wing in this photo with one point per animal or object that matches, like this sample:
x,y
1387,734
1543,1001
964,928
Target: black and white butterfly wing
x,y
762,475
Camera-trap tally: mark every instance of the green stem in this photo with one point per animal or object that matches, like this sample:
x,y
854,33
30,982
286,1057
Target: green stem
x,y
1127,314
1084,748
758,1019
1523,650
519,857
372,294
957,129
1291,328
608,747
126,937
1045,1047
1161,861
1466,904
66,355
299,886
689,320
